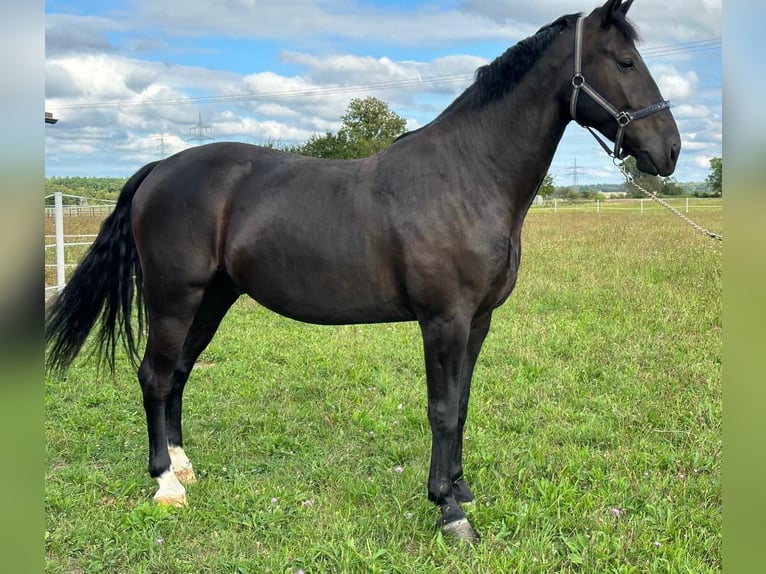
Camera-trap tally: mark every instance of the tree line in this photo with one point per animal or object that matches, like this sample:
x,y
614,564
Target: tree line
x,y
368,126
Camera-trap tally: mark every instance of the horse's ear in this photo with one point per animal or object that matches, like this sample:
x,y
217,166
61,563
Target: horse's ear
x,y
610,10
626,6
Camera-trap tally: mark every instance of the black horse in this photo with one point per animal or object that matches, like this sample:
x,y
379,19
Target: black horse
x,y
427,230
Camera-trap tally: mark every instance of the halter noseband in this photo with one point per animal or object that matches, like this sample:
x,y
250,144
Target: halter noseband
x,y
623,118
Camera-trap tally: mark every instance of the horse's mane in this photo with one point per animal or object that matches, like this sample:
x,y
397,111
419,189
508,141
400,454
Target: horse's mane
x,y
494,80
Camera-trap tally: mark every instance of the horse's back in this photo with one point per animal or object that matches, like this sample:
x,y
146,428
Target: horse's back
x,y
301,235
312,240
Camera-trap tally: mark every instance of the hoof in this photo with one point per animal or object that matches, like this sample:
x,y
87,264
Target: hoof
x,y
462,530
172,499
185,474
181,465
462,493
170,492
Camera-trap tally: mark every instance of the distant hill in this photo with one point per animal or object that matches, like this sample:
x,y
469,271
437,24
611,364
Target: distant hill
x,y
689,188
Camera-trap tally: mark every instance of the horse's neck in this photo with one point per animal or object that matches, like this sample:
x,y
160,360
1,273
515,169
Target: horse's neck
x,y
514,138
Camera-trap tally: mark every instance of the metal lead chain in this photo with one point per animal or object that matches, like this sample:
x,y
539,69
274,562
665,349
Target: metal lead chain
x,y
629,178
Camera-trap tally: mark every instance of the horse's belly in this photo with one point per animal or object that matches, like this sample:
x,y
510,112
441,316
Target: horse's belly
x,y
323,304
315,290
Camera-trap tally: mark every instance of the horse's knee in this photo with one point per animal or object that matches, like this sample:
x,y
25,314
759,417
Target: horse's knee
x,y
444,419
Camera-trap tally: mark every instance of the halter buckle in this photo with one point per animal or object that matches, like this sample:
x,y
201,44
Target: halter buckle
x,y
624,118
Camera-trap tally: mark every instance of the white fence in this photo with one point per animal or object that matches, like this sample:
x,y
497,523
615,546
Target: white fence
x,y
61,242
683,204
59,212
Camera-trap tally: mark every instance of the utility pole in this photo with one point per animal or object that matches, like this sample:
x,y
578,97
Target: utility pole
x,y
200,132
575,171
162,145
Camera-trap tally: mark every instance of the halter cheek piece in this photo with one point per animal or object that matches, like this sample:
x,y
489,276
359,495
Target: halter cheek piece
x,y
623,118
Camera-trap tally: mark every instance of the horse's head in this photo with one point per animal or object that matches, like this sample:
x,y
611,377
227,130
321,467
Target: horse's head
x,y
614,93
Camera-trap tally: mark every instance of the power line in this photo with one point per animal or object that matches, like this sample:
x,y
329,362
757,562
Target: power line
x,y
285,94
683,48
432,81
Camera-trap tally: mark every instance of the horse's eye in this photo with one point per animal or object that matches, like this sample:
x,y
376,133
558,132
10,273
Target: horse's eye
x,y
626,64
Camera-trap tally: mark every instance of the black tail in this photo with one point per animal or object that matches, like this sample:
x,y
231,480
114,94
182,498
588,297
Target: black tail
x,y
102,285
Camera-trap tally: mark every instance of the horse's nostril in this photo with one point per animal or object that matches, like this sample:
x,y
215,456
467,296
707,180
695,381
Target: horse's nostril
x,y
674,149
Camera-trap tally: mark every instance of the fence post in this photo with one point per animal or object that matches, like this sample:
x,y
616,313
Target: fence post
x,y
642,205
687,205
555,205
59,220
598,206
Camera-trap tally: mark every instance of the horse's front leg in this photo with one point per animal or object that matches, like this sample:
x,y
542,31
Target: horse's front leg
x,y
479,330
445,343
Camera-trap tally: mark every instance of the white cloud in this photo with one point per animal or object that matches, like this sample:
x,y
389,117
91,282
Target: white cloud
x,y
663,22
675,85
308,22
702,161
659,21
276,110
692,145
67,33
325,45
691,111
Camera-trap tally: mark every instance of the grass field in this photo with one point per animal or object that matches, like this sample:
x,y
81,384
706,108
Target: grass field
x,y
594,433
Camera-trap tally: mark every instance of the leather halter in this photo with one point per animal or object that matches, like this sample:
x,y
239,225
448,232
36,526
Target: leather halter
x,y
623,118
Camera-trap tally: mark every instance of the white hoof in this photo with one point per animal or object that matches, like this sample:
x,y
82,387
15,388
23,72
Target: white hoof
x,y
185,475
171,492
181,465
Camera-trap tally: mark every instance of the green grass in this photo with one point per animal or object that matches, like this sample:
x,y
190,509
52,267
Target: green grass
x,y
594,435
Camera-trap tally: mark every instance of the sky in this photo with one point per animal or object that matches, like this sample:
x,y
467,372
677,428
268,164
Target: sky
x,y
131,81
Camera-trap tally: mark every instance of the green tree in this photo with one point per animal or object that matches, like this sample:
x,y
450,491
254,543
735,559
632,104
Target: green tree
x,y
650,183
87,187
670,187
330,146
715,177
368,127
565,192
546,188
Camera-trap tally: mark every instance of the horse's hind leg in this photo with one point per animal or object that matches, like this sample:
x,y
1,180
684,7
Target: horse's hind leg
x,y
170,318
219,296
